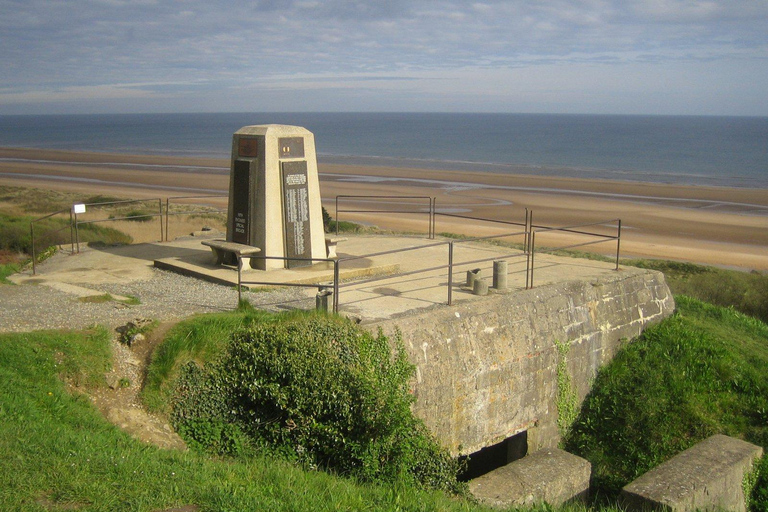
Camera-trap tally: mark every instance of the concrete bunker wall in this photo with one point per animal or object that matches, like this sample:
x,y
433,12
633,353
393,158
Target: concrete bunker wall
x,y
487,369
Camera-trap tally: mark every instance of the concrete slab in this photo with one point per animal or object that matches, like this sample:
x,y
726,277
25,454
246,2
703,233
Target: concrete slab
x,y
707,476
550,476
381,276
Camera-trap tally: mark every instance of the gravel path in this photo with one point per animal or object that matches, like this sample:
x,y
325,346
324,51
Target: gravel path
x,y
167,296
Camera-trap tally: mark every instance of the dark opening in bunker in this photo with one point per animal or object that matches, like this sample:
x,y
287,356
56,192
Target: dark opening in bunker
x,y
495,456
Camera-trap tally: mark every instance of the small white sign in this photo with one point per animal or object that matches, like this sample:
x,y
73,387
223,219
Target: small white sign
x,y
78,208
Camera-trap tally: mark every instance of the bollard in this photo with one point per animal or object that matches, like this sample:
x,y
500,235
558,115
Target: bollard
x,y
472,275
480,287
321,299
500,275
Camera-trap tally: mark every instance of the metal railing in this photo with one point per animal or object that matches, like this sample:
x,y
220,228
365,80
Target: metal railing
x,y
159,215
378,199
451,265
48,234
578,230
168,212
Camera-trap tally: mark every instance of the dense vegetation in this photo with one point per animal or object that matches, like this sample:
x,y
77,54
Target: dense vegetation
x,y
16,239
319,390
701,372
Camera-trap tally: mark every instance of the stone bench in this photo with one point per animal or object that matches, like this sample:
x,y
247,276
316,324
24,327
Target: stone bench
x,y
330,245
707,476
550,476
223,250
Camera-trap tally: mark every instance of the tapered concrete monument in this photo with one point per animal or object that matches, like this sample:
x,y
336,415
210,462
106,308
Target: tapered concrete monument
x,y
274,195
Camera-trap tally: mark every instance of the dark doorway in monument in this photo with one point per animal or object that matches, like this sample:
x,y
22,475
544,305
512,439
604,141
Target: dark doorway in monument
x,y
495,456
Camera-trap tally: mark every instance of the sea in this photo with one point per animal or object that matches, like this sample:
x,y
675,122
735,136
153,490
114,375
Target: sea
x,y
687,150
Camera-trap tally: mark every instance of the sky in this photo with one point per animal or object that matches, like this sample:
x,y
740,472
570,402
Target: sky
x,y
673,57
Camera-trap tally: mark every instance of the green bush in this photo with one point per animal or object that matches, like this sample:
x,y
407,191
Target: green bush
x,y
321,389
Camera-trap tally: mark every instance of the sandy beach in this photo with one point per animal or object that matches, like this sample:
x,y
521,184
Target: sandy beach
x,y
708,225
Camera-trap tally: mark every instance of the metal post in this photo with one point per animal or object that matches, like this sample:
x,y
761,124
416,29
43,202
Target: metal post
x,y
618,244
527,231
450,273
77,235
239,280
337,222
335,286
34,256
71,233
533,249
434,216
160,214
167,214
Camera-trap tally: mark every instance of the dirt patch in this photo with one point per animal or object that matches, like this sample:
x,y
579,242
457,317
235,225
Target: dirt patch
x,y
119,402
7,257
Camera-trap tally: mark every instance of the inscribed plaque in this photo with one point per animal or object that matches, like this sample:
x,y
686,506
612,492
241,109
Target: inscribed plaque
x,y
240,201
296,213
291,147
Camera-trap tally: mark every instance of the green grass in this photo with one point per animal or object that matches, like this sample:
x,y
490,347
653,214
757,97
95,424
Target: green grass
x,y
745,291
701,372
201,338
7,269
58,453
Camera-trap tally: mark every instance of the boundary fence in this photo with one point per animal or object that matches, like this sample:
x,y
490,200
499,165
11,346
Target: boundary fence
x,y
528,246
426,205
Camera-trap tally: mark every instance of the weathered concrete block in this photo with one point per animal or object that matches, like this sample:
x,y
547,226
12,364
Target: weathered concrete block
x,y
551,475
707,476
486,369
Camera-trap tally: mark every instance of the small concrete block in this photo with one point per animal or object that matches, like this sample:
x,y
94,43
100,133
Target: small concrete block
x,y
707,476
551,475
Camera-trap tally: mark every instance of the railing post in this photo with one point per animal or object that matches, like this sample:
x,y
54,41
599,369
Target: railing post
x,y
239,280
618,244
160,215
34,255
71,234
434,215
167,214
531,255
450,273
336,215
77,234
336,286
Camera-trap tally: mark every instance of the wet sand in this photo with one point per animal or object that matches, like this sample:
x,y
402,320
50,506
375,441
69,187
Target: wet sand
x,y
708,225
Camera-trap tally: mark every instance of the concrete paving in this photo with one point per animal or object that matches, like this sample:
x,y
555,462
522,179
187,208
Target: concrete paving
x,y
381,276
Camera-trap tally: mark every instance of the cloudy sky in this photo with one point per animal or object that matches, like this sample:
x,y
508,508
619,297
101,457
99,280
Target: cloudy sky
x,y
579,56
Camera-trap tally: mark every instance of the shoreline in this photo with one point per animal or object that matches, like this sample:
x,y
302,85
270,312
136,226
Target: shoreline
x,y
702,224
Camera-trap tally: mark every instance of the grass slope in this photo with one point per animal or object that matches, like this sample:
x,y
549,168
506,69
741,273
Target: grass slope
x,y
701,372
58,453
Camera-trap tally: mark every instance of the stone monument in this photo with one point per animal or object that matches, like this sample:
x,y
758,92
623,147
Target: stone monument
x,y
274,195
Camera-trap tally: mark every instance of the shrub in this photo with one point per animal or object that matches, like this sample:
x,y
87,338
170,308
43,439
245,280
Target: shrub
x,y
134,215
321,389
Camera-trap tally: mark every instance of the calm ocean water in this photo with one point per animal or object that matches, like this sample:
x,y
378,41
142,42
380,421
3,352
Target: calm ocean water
x,y
723,151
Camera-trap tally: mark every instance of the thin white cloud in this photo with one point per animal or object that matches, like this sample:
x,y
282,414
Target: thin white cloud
x,y
60,48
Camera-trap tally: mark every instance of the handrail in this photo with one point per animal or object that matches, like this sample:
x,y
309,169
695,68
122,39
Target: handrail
x,y
572,229
110,203
192,212
32,234
430,212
